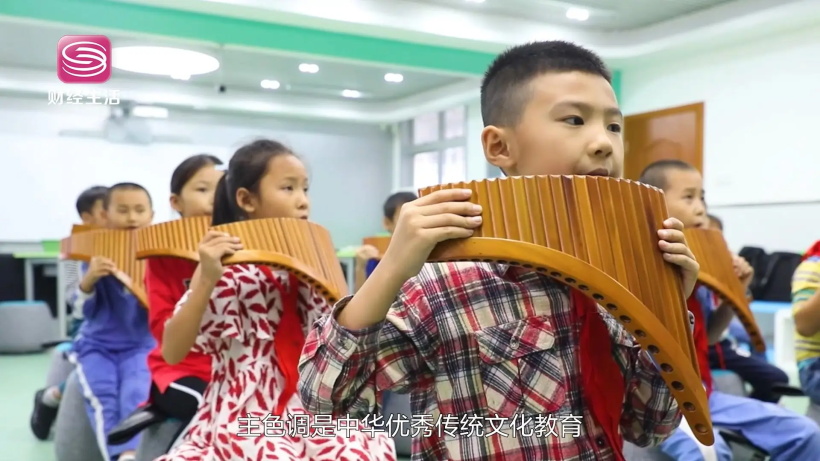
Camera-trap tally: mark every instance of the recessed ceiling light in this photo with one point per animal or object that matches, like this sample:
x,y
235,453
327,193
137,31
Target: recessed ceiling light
x,y
157,60
578,14
351,94
309,68
180,76
270,84
393,78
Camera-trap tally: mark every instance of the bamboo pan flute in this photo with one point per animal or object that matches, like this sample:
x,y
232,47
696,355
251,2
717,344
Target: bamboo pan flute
x,y
379,242
65,244
296,245
117,245
718,273
598,235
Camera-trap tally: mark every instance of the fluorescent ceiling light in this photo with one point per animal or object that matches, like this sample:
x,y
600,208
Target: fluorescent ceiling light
x,y
270,84
393,78
157,60
309,68
351,94
578,14
149,112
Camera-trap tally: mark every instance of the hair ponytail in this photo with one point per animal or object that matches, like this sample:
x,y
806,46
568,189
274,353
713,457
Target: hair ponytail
x,y
225,209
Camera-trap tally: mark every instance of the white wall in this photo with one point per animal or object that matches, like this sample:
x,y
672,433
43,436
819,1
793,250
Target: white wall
x,y
761,151
42,173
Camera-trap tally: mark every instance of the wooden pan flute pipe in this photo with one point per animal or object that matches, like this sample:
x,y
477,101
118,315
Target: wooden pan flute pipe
x,y
65,244
717,272
117,245
295,245
379,242
598,235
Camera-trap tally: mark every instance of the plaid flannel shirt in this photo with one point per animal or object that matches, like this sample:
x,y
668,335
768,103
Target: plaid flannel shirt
x,y
482,346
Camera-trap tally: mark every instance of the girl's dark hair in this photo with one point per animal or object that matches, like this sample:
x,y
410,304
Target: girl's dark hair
x,y
188,168
247,167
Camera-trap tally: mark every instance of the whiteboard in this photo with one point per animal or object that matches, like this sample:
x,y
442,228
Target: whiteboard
x,y
42,177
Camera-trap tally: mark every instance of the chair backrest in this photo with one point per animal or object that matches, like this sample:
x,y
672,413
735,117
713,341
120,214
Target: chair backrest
x,y
758,259
784,343
776,281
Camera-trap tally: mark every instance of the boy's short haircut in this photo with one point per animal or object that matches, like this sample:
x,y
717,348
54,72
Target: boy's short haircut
x,y
90,196
504,88
655,173
125,186
395,201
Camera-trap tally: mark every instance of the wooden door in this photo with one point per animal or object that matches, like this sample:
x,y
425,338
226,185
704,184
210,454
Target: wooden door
x,y
674,133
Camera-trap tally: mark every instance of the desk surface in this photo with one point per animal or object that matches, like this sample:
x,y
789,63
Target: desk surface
x,y
769,307
38,255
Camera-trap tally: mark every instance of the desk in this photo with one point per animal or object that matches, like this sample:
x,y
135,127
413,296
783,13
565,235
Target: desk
x,y
46,258
768,307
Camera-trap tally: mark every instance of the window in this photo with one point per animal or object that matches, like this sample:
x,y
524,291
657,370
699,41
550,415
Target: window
x,y
455,122
454,165
434,148
425,129
425,169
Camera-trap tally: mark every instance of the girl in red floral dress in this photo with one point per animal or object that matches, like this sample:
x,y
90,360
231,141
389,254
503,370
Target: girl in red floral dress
x,y
253,320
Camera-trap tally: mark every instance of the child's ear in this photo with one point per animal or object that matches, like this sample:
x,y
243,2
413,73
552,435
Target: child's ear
x,y
174,200
388,224
497,148
86,218
246,200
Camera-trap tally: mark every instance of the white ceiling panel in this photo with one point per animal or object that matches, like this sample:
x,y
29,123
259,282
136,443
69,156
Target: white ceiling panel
x,y
240,69
604,15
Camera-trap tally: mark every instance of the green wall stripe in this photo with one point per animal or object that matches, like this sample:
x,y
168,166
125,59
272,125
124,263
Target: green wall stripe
x,y
616,85
242,32
144,19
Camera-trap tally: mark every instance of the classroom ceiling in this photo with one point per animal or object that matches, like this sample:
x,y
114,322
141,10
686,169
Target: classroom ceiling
x,y
604,15
240,69
440,47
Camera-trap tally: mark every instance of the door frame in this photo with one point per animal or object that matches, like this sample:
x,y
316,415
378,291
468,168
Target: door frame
x,y
697,108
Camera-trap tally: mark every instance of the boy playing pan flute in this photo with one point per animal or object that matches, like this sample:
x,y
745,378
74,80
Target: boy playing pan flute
x,y
489,340
783,434
112,345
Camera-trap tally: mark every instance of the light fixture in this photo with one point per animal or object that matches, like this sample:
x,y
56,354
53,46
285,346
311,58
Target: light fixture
x,y
351,94
393,77
474,1
578,14
308,68
270,84
156,60
149,112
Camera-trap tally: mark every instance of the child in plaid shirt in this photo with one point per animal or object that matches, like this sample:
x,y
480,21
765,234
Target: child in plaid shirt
x,y
489,340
